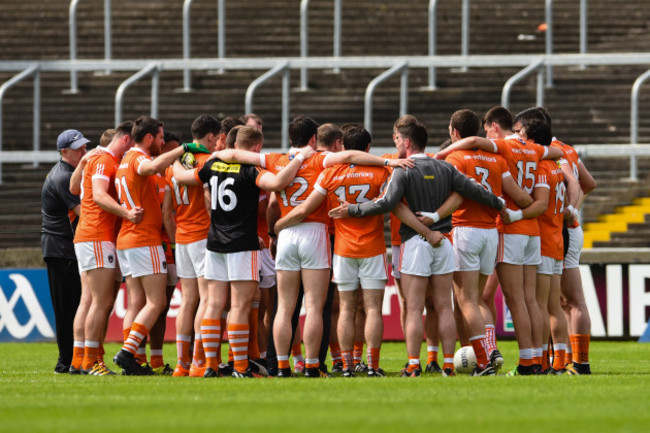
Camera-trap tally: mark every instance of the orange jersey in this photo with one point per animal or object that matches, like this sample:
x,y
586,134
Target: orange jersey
x,y
355,237
138,191
488,170
192,218
550,176
97,224
523,159
301,186
571,157
395,238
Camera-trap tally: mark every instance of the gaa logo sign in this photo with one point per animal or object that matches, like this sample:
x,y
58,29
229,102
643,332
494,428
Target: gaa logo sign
x,y
25,307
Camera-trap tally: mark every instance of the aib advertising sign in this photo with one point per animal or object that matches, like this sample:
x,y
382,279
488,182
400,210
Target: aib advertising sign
x,y
618,297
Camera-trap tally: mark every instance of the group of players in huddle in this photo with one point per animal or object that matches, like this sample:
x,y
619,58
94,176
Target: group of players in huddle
x,y
242,230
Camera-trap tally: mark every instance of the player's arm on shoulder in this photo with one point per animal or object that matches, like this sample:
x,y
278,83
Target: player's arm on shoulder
x,y
150,167
572,186
541,195
466,144
512,190
238,156
300,212
277,182
363,158
553,152
185,176
393,193
467,187
76,178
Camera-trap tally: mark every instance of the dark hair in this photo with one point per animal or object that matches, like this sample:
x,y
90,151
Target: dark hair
x,y
536,126
466,122
205,124
171,136
145,125
301,130
356,138
349,125
228,123
327,134
501,116
124,128
409,127
539,112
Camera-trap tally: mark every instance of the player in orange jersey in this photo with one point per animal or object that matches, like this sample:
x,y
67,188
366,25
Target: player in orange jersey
x,y
139,246
232,245
95,238
192,225
476,236
578,314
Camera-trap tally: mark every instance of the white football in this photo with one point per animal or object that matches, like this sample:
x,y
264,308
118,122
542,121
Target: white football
x,y
465,360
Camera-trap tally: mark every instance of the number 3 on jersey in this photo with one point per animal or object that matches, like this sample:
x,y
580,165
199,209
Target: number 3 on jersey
x,y
222,196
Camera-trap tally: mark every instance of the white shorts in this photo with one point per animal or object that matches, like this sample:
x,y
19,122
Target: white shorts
x,y
142,261
394,260
419,258
267,269
550,266
475,249
303,246
172,278
576,240
371,272
95,255
239,266
519,249
190,259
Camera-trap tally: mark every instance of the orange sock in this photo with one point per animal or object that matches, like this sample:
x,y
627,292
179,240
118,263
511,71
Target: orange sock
x,y
479,344
358,351
253,349
449,361
580,348
283,361
77,354
198,357
414,362
526,357
100,353
90,354
372,355
312,363
183,350
224,326
432,354
156,358
238,338
559,355
348,360
210,336
125,333
231,358
296,350
137,334
491,336
545,365
335,353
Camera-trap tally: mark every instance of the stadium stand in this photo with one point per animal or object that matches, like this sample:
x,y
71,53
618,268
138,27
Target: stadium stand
x,y
588,106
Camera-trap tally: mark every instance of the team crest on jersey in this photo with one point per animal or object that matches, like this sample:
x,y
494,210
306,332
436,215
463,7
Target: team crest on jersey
x,y
164,265
226,168
110,258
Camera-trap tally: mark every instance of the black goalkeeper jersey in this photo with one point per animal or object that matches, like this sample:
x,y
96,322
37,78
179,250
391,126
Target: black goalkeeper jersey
x,y
234,200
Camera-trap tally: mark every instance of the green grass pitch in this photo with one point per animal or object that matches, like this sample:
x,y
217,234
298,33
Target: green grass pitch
x,y
616,398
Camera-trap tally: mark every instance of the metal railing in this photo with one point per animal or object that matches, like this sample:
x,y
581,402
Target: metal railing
x,y
286,97
36,130
154,70
221,38
74,87
401,67
634,119
537,66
